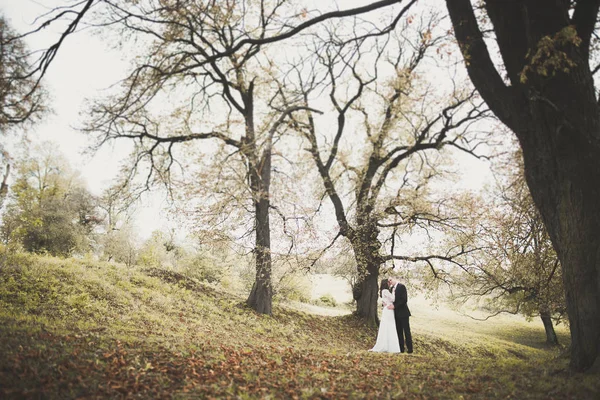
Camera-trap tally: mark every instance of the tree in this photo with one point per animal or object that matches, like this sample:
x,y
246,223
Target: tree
x,y
120,245
22,99
160,250
50,209
390,125
515,268
4,184
213,203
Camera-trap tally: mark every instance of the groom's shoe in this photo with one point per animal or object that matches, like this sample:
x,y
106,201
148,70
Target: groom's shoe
x,y
409,351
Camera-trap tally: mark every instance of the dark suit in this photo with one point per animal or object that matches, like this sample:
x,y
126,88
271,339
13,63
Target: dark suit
x,y
401,314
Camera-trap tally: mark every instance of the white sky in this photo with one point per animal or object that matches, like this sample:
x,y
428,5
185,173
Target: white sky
x,y
83,67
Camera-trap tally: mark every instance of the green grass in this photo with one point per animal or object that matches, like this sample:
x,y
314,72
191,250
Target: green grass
x,y
80,329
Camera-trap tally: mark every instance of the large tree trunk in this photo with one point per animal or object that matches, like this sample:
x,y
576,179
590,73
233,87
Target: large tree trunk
x,y
366,252
261,296
562,166
568,197
368,292
551,337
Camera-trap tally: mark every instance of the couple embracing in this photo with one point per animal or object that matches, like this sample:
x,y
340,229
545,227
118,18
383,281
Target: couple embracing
x,y
394,328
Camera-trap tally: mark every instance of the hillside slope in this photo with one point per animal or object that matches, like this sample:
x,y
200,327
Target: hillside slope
x,y
82,329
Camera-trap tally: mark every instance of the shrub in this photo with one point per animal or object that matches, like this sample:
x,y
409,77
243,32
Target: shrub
x,y
199,267
294,286
327,300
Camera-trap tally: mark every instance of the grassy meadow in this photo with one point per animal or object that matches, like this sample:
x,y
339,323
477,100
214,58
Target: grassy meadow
x,y
81,329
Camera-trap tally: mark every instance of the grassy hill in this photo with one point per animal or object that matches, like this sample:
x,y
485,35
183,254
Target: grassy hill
x,y
83,329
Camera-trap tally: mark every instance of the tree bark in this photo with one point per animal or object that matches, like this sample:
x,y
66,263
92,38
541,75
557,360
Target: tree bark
x,y
568,200
551,337
261,295
368,290
562,166
259,169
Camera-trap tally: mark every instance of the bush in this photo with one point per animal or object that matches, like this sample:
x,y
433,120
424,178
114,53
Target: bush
x,y
49,210
294,286
327,300
199,267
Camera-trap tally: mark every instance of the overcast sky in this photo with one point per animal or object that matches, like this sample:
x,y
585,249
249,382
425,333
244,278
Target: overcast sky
x,y
82,69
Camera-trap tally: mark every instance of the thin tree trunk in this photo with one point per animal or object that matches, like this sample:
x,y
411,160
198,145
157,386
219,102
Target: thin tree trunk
x,y
4,186
551,337
261,295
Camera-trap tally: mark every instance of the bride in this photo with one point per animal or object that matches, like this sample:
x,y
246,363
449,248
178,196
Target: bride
x,y
387,338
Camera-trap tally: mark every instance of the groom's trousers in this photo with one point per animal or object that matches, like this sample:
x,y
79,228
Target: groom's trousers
x,y
404,335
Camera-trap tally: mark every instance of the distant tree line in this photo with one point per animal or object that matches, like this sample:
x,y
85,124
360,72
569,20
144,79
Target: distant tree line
x,y
49,210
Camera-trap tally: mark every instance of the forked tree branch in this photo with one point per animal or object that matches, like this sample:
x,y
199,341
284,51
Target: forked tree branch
x,y
48,55
321,18
479,64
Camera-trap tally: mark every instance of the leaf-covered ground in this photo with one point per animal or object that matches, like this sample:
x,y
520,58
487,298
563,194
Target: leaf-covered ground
x,y
74,329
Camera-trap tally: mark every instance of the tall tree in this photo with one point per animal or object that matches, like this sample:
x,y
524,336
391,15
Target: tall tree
x,y
213,202
548,99
228,100
118,239
389,126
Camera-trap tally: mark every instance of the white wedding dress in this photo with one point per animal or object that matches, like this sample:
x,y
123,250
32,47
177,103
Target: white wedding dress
x,y
387,337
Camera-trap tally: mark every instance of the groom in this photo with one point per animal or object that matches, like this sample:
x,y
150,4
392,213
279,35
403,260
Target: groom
x,y
401,314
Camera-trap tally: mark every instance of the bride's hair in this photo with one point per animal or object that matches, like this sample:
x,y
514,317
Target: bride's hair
x,y
383,285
